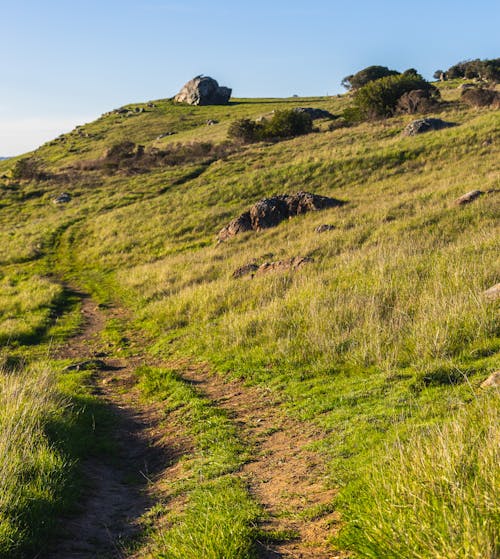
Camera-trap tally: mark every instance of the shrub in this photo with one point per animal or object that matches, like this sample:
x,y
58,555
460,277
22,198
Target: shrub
x,y
28,168
243,129
379,98
283,124
487,70
367,75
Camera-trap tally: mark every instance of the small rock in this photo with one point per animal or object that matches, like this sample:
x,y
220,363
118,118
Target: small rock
x,y
493,293
247,269
291,264
323,228
86,365
469,197
492,381
425,125
63,198
164,135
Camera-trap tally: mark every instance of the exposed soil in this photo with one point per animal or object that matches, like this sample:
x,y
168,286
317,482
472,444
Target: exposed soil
x,y
284,476
121,488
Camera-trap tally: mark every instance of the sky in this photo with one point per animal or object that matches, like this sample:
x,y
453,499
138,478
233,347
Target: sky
x,y
65,62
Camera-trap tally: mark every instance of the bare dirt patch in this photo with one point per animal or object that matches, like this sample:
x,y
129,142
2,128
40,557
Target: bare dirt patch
x,y
122,487
285,476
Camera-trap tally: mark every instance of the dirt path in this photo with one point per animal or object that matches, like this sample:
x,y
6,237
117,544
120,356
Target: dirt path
x,y
122,487
284,476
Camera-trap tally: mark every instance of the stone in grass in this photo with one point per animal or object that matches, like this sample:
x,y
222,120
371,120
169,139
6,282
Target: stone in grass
x,y
63,198
493,293
469,197
269,212
88,365
287,265
492,381
323,228
425,125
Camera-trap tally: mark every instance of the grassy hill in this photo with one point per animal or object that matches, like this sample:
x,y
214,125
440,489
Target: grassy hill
x,y
379,344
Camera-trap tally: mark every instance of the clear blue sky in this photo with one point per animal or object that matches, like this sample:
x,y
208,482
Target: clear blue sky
x,y
64,62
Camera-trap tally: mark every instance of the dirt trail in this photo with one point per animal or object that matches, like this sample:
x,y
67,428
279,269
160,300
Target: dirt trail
x,y
121,488
284,476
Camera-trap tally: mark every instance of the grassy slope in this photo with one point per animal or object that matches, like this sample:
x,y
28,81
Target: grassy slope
x,y
385,333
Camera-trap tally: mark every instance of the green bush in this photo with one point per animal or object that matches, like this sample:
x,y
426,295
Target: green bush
x,y
243,129
379,98
487,70
367,75
283,124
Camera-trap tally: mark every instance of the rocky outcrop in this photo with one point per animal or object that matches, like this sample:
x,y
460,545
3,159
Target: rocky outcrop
x,y
469,197
425,125
315,114
287,265
481,97
269,212
416,101
203,90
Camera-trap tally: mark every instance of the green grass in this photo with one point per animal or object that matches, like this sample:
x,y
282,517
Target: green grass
x,y
384,337
220,517
435,495
46,426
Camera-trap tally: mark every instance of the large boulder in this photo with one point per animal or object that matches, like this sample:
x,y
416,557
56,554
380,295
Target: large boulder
x,y
416,101
425,125
203,90
481,97
269,212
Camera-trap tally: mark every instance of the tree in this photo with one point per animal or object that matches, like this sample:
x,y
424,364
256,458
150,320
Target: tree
x,y
367,75
379,98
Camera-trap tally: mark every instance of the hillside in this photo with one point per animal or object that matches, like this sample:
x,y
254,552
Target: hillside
x,y
330,411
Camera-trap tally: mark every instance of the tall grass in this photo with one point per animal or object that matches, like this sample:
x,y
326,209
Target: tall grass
x,y
31,471
436,496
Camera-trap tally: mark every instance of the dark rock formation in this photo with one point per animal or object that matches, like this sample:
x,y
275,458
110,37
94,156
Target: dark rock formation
x,y
315,114
203,90
481,97
416,101
269,212
425,125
